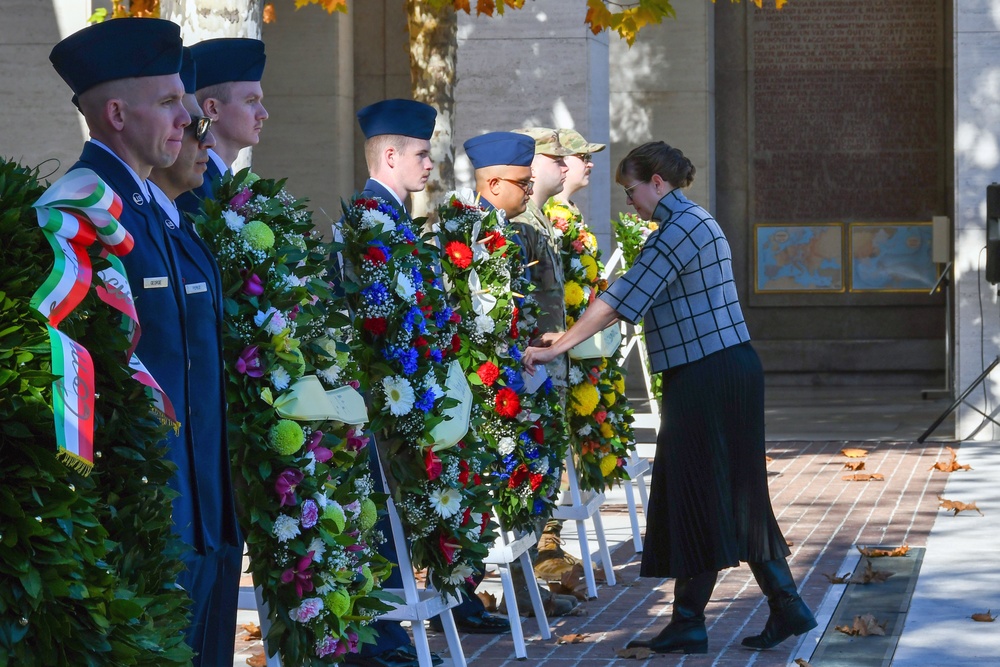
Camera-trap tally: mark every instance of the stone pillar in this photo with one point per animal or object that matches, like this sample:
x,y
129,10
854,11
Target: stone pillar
x,y
309,94
37,119
663,89
977,164
540,66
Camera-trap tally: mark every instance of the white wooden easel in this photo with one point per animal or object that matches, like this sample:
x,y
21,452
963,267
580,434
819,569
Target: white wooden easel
x,y
506,550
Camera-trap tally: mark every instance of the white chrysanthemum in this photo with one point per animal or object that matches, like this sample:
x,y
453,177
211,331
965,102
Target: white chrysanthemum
x,y
318,547
372,218
446,502
285,528
398,395
234,220
460,574
329,584
330,375
506,445
310,467
575,376
280,378
586,430
485,324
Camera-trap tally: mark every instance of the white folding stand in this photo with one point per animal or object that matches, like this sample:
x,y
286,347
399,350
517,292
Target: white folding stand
x,y
579,511
265,626
506,550
636,469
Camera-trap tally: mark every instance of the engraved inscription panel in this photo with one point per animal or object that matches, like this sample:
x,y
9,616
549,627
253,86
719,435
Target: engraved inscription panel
x,y
847,102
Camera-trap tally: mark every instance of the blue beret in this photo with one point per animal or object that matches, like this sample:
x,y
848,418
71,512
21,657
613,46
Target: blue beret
x,y
189,72
228,59
118,49
495,148
403,117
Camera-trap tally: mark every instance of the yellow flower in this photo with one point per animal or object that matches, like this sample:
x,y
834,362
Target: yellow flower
x,y
609,398
585,398
590,266
652,225
590,242
619,384
570,321
608,464
573,293
607,431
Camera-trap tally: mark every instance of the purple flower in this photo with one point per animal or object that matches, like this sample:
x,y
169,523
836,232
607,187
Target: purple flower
x,y
321,454
249,362
310,513
326,646
294,312
355,383
352,641
355,440
285,485
241,199
252,284
300,575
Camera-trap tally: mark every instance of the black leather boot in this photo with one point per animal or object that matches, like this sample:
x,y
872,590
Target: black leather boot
x,y
686,631
789,613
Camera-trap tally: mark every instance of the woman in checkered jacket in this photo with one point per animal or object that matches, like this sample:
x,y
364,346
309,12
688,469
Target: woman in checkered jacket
x,y
709,506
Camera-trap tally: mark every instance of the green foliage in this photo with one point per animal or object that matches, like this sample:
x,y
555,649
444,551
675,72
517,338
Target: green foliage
x,y
87,565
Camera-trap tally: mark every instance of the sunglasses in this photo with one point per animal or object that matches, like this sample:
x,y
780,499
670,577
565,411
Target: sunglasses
x,y
526,186
586,157
200,126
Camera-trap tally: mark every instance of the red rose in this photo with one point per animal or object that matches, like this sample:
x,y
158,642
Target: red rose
x,y
455,317
463,476
376,255
507,403
536,480
433,464
456,343
376,326
419,342
459,254
488,373
518,476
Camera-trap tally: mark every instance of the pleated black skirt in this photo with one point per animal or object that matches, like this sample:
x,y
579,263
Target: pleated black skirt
x,y
709,506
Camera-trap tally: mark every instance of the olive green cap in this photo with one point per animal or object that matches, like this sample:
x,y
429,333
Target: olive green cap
x,y
546,141
574,142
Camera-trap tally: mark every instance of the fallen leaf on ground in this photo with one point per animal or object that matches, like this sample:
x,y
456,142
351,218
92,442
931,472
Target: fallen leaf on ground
x,y
875,552
252,630
802,662
572,639
637,653
599,576
854,465
789,543
950,466
834,579
768,459
864,477
488,599
957,506
863,626
854,453
984,618
257,660
871,575
572,583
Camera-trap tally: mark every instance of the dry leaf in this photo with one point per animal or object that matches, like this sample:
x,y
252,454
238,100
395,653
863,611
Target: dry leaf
x,y
802,662
252,630
872,575
834,579
257,659
789,543
854,465
854,453
957,506
875,552
768,459
572,583
599,576
637,653
950,466
863,626
572,639
864,477
489,600
984,618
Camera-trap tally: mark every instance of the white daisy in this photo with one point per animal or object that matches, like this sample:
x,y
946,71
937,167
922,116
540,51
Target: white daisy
x,y
234,220
398,395
485,324
446,502
280,378
372,218
285,528
506,445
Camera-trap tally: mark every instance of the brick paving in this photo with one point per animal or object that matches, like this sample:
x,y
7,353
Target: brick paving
x,y
823,518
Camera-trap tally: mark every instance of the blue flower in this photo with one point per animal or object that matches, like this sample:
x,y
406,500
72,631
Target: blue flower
x,y
526,438
533,453
408,234
426,401
514,353
376,294
418,278
539,506
442,316
509,462
436,355
547,385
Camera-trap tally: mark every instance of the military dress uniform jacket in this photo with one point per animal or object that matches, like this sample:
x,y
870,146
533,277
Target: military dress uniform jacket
x,y
538,242
172,346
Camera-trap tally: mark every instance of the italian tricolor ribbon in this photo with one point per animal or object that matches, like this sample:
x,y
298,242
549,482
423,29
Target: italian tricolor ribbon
x,y
75,211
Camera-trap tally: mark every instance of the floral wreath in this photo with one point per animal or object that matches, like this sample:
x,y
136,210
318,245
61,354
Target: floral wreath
x,y
600,418
406,340
301,473
484,275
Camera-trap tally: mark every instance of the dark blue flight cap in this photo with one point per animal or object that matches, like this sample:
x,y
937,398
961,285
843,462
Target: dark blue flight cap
x,y
118,49
228,59
500,148
403,117
189,72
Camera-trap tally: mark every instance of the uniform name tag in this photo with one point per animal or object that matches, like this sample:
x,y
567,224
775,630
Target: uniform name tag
x,y
152,283
196,288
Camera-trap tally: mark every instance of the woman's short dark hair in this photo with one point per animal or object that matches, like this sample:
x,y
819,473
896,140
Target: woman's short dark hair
x,y
656,157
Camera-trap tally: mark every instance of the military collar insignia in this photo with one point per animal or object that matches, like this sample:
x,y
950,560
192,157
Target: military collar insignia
x,y
138,199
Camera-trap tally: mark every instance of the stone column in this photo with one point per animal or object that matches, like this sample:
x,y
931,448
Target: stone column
x,y
539,65
977,164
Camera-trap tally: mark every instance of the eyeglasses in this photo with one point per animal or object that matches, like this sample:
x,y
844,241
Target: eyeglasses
x,y
526,186
585,157
629,189
200,125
